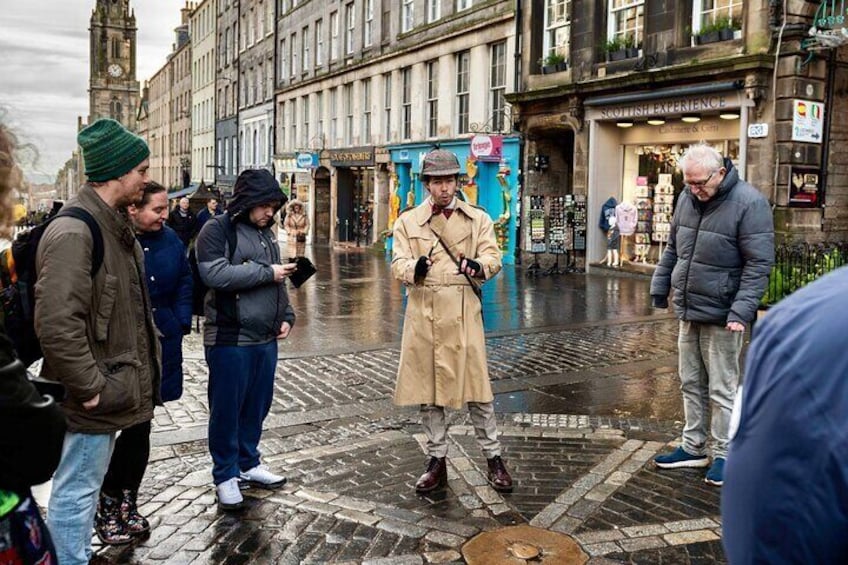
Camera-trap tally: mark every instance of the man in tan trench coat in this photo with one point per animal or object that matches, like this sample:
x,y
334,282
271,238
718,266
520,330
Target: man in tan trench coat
x,y
441,248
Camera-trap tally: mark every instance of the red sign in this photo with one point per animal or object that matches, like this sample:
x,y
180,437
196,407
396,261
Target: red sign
x,y
487,147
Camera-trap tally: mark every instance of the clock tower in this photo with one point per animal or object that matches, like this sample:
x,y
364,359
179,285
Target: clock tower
x,y
113,89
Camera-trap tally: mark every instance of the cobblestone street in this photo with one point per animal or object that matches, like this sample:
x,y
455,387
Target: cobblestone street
x,y
586,393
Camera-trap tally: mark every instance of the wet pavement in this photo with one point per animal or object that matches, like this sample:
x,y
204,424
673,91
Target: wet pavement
x,y
586,393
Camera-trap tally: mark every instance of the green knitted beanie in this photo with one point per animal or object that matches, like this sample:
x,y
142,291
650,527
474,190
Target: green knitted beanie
x,y
110,150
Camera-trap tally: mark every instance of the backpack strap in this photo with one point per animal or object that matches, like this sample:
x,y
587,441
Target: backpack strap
x,y
232,235
96,235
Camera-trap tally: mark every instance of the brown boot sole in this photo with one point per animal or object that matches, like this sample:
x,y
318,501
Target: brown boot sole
x,y
439,485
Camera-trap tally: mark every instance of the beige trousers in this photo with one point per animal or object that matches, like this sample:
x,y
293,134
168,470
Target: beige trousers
x,y
482,417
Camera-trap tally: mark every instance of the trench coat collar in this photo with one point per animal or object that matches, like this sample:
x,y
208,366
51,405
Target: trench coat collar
x,y
424,211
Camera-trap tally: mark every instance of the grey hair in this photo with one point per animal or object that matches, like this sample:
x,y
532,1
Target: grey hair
x,y
701,154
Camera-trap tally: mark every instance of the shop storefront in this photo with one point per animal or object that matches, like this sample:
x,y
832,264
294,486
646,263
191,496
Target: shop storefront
x,y
354,173
488,178
295,172
633,152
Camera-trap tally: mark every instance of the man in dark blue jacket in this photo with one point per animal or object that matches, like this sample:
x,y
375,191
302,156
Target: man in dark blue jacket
x,y
719,256
246,311
785,499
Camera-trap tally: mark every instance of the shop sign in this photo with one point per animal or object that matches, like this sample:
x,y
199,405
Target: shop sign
x,y
403,155
354,157
706,103
807,121
758,130
804,187
307,160
487,147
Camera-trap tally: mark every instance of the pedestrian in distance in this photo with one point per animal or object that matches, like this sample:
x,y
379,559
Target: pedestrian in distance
x,y
718,259
247,310
444,250
183,221
210,211
297,226
169,283
786,486
33,426
96,328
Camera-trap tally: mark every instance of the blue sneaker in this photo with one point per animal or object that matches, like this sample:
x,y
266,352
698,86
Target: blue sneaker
x,y
715,476
680,458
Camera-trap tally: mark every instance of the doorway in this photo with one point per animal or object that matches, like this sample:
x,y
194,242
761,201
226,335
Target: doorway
x,y
321,233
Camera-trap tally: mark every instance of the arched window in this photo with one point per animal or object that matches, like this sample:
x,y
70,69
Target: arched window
x,y
116,48
116,110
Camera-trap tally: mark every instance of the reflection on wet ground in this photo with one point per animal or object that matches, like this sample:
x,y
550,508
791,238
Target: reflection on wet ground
x,y
353,301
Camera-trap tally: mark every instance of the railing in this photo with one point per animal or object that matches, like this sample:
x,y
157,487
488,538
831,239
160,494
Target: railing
x,y
797,264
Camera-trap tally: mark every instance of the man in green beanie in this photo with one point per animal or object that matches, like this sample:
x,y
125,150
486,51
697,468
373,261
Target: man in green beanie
x,y
96,329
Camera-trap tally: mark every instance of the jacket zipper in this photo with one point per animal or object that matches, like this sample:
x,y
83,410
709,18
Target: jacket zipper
x,y
266,243
689,265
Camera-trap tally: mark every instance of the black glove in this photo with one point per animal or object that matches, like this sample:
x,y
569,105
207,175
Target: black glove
x,y
465,263
659,301
421,268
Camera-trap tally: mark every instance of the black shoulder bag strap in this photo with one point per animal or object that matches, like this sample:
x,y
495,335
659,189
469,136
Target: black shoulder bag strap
x,y
474,286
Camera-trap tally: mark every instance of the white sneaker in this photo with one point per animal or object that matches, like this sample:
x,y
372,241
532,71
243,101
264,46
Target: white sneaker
x,y
229,495
261,476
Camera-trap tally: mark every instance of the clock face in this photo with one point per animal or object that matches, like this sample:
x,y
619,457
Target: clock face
x,y
115,70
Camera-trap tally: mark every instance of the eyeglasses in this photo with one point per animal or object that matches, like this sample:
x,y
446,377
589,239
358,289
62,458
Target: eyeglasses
x,y
701,183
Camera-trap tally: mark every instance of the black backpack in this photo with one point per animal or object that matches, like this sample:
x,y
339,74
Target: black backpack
x,y
199,290
17,278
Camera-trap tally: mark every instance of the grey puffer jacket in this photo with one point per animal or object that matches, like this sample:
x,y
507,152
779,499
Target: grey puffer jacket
x,y
719,254
246,306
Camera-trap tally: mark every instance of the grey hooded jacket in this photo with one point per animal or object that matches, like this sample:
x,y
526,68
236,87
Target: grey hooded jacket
x,y
245,305
719,254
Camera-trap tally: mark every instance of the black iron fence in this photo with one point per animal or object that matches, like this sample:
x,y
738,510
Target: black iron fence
x,y
797,264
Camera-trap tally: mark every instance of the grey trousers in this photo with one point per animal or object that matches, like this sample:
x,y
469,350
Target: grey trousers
x,y
482,417
709,372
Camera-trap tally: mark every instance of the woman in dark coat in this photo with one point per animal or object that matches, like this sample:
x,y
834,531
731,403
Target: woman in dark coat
x,y
32,426
170,284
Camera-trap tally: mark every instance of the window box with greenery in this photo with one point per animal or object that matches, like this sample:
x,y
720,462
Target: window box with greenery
x,y
722,29
553,63
620,48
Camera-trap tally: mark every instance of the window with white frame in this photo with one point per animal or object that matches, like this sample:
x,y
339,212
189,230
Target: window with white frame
x,y
294,67
269,79
319,102
260,22
463,88
304,35
319,42
304,106
406,102
269,148
407,15
269,17
334,36
462,5
350,23
626,21
710,12
557,28
368,29
283,120
434,10
294,117
366,112
334,116
497,85
387,107
347,100
432,99
283,60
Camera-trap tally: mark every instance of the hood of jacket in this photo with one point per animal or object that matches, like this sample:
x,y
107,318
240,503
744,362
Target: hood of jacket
x,y
292,203
253,187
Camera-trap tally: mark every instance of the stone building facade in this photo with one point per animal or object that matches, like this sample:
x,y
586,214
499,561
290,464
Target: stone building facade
x,y
611,121
365,87
227,88
202,30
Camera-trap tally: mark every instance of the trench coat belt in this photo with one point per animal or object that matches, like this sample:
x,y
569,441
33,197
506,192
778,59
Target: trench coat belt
x,y
446,279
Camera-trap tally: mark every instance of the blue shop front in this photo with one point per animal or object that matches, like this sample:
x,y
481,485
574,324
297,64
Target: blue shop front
x,y
488,178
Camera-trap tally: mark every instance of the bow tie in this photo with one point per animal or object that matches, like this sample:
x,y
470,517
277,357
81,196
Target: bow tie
x,y
439,210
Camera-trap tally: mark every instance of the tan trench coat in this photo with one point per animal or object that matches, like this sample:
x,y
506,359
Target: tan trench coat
x,y
443,348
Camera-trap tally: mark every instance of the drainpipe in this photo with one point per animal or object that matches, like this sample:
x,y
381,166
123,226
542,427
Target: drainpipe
x,y
517,88
828,120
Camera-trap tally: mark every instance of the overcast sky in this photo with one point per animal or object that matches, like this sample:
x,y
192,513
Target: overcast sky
x,y
44,68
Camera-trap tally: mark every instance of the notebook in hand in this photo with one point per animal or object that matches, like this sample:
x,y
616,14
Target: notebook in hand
x,y
305,269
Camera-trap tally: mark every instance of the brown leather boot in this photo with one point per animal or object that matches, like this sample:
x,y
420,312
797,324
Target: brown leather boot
x,y
435,477
498,475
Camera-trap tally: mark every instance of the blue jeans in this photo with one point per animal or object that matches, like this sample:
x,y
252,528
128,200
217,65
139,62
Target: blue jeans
x,y
241,387
73,499
709,374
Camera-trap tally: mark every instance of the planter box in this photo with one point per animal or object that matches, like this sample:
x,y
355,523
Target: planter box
x,y
632,52
619,55
725,34
705,38
555,68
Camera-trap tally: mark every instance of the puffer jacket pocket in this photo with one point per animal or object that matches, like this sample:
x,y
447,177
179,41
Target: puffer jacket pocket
x,y
122,391
105,305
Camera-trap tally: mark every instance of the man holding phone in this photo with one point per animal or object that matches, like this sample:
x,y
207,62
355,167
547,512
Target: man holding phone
x,y
444,250
247,311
